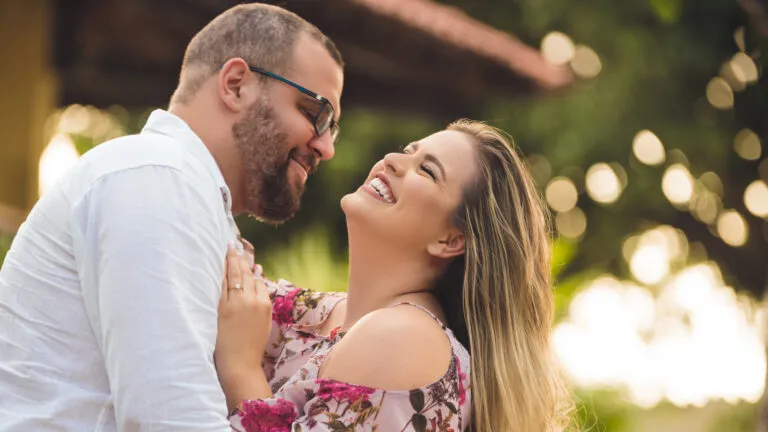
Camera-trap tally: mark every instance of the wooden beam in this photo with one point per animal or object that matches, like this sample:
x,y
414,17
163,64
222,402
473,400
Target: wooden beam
x,y
28,88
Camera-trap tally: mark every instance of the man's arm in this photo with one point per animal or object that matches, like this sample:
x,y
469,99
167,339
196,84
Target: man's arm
x,y
151,259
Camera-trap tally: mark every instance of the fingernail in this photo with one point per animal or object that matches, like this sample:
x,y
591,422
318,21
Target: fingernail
x,y
258,270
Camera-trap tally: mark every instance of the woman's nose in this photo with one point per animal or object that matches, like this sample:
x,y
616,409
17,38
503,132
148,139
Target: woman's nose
x,y
394,162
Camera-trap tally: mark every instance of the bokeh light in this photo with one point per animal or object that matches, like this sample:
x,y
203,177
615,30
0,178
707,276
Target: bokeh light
x,y
586,63
733,75
540,168
677,184
747,145
738,37
557,48
58,157
705,206
648,148
650,255
745,68
649,264
732,228
561,194
719,93
603,184
756,198
571,224
712,182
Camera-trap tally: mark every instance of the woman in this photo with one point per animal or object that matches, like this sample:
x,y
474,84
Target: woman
x,y
448,285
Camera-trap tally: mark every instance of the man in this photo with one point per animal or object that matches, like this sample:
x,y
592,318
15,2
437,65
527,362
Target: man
x,y
109,293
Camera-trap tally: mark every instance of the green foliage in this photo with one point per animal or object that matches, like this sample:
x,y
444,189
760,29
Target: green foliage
x,y
5,245
742,418
307,261
602,411
668,11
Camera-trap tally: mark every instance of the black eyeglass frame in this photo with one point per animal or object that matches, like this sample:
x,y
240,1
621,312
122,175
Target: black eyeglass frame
x,y
333,125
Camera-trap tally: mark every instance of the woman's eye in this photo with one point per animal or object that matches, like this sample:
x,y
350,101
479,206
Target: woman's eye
x,y
429,171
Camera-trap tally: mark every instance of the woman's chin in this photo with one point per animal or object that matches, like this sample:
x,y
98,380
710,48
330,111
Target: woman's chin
x,y
355,205
350,203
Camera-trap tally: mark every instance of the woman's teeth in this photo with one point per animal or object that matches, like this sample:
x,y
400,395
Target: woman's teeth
x,y
381,188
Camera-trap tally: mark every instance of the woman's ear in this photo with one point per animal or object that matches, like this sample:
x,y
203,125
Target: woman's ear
x,y
450,246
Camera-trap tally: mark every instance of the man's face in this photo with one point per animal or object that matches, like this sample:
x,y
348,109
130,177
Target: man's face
x,y
276,138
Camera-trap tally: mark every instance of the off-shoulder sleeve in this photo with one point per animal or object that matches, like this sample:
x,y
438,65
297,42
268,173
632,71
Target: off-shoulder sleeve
x,y
330,406
325,405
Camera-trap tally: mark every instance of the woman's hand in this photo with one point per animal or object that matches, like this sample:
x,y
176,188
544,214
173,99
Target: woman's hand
x,y
245,321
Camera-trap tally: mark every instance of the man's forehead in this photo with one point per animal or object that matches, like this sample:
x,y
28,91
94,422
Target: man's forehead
x,y
313,68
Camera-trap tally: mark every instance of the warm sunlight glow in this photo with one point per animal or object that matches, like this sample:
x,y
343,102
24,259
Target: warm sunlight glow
x,y
732,228
747,145
586,63
693,342
719,93
74,119
756,198
603,184
677,184
561,194
57,158
557,48
648,148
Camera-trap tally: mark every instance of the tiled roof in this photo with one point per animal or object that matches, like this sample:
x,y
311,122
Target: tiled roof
x,y
456,27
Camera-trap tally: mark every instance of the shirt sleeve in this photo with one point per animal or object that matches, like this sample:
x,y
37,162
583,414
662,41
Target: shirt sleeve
x,y
150,253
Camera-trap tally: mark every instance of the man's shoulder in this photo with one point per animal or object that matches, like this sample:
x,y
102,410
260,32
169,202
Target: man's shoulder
x,y
134,151
140,161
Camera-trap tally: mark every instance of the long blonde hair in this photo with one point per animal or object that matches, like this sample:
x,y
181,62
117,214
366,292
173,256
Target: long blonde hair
x,y
505,308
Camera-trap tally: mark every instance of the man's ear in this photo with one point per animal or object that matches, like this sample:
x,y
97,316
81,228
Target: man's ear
x,y
450,246
232,78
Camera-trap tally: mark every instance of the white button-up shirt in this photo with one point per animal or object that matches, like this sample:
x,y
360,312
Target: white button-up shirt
x,y
108,296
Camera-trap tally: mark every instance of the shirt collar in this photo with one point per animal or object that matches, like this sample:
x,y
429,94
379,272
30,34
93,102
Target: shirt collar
x,y
165,123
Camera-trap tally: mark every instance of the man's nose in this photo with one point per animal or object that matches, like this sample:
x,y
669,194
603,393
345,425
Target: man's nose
x,y
323,146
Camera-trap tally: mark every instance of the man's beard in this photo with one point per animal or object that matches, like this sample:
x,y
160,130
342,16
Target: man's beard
x,y
262,145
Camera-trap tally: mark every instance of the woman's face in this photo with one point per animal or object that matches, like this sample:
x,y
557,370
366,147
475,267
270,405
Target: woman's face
x,y
410,197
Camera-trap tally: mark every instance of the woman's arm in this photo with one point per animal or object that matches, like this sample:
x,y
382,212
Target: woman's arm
x,y
244,324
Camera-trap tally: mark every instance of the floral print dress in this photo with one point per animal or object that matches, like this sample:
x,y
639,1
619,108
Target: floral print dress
x,y
302,402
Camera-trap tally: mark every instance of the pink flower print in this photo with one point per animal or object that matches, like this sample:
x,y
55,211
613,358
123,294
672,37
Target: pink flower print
x,y
282,307
259,416
462,377
342,392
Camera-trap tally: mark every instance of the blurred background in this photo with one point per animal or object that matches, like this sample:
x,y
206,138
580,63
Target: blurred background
x,y
644,122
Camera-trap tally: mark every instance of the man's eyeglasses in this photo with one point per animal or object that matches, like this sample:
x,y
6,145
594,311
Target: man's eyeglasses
x,y
323,120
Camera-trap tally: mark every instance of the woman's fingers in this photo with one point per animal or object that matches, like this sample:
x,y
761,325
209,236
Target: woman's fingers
x,y
234,272
248,279
249,251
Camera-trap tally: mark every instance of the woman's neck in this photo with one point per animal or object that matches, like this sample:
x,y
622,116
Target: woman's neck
x,y
380,277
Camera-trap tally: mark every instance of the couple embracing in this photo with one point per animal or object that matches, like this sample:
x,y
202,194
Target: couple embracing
x,y
128,301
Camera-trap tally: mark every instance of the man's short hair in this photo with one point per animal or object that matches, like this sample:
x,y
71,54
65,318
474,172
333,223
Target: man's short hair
x,y
263,35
